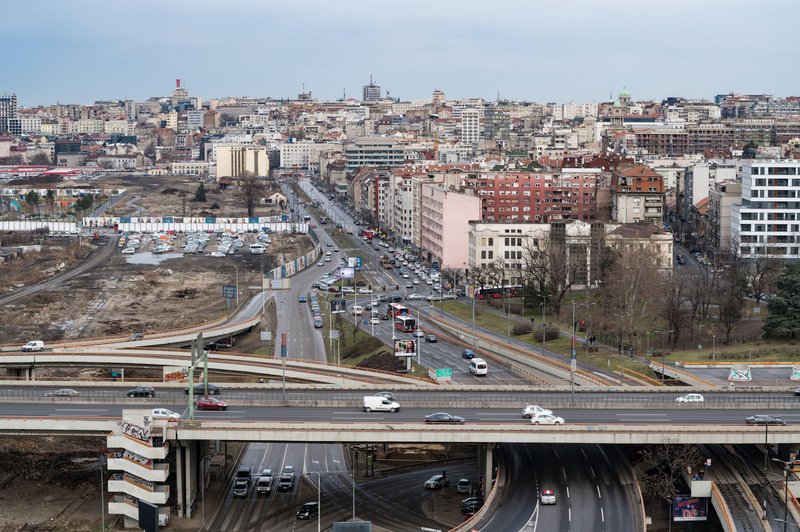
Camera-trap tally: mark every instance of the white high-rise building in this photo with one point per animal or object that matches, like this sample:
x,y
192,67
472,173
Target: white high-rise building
x,y
470,126
766,221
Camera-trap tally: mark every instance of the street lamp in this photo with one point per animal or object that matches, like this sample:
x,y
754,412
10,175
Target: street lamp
x,y
237,285
319,499
786,470
713,347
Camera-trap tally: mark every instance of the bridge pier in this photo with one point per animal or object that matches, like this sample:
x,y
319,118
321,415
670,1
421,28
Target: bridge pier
x,y
187,479
24,374
485,459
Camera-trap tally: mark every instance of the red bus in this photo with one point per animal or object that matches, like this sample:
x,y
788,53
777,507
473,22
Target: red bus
x,y
396,309
405,323
496,292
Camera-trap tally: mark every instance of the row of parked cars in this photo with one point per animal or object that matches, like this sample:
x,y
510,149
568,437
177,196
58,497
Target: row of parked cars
x,y
313,302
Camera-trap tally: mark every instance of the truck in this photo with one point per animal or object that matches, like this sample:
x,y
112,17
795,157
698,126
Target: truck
x,y
368,234
374,403
264,483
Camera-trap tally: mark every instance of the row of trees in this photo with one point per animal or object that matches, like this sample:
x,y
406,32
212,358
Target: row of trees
x,y
634,296
249,191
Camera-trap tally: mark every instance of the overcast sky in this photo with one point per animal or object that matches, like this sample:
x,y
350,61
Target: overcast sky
x,y
565,50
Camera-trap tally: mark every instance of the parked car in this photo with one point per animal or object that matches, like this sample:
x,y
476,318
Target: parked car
x,y
142,391
63,392
211,403
462,486
443,417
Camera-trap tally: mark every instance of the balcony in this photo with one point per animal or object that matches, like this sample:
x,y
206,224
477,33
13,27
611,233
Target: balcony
x,y
152,472
140,448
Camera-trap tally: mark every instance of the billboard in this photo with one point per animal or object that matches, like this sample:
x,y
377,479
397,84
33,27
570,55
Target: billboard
x,y
405,348
347,273
688,508
338,306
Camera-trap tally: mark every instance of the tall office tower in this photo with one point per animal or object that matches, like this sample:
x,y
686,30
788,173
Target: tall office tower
x,y
371,92
8,111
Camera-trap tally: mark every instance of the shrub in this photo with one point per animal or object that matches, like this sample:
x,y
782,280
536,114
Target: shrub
x,y
551,333
522,328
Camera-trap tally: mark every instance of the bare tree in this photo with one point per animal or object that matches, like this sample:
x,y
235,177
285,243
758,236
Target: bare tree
x,y
764,271
628,298
668,464
673,298
548,268
250,191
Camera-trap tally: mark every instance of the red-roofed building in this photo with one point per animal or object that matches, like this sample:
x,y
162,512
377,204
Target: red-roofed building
x,y
637,193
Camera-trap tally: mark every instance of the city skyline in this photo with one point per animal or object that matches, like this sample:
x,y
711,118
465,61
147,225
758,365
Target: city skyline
x,y
521,51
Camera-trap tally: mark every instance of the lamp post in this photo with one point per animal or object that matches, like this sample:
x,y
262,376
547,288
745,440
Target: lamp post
x,y
544,328
573,363
319,499
237,285
713,347
786,470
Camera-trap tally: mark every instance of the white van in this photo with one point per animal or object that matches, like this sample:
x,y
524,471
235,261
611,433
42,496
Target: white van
x,y
477,366
257,249
379,404
34,345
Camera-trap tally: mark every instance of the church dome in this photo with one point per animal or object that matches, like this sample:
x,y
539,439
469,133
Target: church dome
x,y
624,93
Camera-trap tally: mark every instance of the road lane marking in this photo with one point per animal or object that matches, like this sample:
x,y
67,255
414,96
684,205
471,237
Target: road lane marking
x,y
602,515
654,414
584,453
592,469
81,410
564,472
556,453
569,514
567,492
598,492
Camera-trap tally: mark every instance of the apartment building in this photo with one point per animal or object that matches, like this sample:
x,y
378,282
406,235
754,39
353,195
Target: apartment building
x,y
444,221
721,198
8,112
305,154
637,194
470,126
237,161
538,196
766,219
377,152
580,244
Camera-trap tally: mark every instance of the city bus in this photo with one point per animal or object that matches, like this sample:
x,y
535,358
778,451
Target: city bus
x,y
396,309
496,292
405,323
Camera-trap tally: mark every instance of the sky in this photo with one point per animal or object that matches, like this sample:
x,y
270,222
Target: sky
x,y
558,51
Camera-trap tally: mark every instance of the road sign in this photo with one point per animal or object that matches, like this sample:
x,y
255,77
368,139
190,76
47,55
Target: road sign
x,y
338,306
444,372
266,336
229,290
349,272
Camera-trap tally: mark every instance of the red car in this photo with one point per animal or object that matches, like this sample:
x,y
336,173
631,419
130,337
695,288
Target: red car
x,y
211,403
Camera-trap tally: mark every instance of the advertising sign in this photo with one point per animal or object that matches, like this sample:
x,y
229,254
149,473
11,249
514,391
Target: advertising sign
x,y
405,348
687,508
348,273
338,306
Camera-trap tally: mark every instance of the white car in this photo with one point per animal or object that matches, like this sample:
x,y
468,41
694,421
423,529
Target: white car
x,y
348,290
128,251
320,263
534,410
356,310
164,413
690,398
364,290
547,419
217,254
419,333
415,297
374,320
416,281
548,497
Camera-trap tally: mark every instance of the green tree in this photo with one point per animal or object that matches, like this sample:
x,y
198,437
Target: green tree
x,y
84,203
783,320
32,198
749,150
200,193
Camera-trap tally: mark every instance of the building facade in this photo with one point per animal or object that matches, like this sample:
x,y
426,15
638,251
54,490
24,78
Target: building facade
x,y
238,161
377,152
766,219
637,194
444,222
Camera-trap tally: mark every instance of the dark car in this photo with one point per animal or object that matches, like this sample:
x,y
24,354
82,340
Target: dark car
x,y
394,299
443,417
301,299
764,420
142,391
468,354
469,503
213,389
431,339
222,343
308,510
797,391
384,315
211,403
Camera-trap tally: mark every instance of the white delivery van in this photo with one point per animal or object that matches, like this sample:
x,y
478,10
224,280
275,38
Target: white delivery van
x,y
34,345
379,404
257,249
477,366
